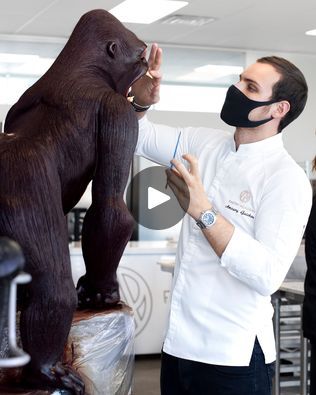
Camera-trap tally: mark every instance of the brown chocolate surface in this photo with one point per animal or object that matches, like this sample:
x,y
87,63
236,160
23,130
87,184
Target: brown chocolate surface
x,y
72,126
21,391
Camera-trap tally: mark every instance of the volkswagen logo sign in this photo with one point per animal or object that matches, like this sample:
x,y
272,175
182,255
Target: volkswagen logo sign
x,y
136,293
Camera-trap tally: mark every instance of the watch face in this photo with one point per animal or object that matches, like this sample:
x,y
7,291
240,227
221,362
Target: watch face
x,y
208,218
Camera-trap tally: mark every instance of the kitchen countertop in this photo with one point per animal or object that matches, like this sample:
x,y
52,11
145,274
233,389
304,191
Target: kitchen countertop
x,y
137,247
295,287
296,273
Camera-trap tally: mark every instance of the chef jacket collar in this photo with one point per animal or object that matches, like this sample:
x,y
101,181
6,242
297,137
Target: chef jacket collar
x,y
269,144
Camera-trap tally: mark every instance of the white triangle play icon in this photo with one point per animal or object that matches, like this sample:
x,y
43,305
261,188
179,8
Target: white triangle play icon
x,y
155,198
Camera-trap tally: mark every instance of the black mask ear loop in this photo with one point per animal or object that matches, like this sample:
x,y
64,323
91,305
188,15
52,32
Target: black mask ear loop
x,y
262,121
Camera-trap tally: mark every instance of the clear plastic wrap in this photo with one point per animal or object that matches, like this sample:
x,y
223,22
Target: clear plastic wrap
x,y
101,347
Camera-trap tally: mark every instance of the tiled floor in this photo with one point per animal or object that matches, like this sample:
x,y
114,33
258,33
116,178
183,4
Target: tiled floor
x,y
147,375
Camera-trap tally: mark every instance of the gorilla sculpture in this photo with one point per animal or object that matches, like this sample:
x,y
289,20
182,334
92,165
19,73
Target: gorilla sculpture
x,y
72,126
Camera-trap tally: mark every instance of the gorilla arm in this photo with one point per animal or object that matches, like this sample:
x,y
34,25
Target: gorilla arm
x,y
108,225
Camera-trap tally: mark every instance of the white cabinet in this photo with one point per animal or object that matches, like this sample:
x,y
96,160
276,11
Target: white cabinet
x,y
144,287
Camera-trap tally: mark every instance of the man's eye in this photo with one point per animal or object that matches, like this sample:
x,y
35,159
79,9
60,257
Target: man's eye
x,y
252,88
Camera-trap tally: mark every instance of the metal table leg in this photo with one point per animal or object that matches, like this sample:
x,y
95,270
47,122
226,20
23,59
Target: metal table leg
x,y
304,365
276,323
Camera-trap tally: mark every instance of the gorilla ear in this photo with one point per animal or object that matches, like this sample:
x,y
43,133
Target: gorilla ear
x,y
111,48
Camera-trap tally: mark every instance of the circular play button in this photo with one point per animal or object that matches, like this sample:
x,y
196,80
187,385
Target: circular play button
x,y
154,205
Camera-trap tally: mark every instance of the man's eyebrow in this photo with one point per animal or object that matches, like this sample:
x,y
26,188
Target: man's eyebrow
x,y
242,77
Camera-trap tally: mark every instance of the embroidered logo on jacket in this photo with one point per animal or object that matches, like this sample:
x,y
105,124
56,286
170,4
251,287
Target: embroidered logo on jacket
x,y
242,208
245,196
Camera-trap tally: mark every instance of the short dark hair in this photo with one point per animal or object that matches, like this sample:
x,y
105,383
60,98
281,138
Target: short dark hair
x,y
292,87
314,164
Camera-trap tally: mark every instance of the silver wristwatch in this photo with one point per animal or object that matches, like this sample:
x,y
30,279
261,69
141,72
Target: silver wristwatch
x,y
207,218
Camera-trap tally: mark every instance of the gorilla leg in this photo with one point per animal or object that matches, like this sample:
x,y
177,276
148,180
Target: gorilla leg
x,y
106,231
45,324
49,300
36,221
47,310
108,225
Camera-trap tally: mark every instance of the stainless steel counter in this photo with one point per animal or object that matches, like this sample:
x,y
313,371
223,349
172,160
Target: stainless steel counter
x,y
291,290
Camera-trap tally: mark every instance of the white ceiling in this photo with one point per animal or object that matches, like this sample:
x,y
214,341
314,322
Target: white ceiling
x,y
272,25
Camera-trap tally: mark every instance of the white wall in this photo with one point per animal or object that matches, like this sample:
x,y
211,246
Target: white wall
x,y
3,112
174,118
299,137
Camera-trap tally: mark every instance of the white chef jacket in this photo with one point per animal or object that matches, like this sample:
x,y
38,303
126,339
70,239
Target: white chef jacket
x,y
219,305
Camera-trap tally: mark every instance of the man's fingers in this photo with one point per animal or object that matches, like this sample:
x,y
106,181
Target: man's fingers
x,y
182,170
175,178
156,74
157,60
194,164
173,187
174,170
182,197
152,56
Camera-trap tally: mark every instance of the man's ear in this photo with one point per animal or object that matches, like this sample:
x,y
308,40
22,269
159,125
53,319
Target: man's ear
x,y
111,48
281,109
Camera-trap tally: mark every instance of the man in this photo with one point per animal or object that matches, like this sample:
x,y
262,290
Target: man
x,y
248,204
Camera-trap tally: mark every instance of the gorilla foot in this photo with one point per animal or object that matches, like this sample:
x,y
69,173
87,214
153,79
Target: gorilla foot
x,y
92,298
58,376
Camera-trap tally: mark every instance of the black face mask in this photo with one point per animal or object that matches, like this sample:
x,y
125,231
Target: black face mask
x,y
237,107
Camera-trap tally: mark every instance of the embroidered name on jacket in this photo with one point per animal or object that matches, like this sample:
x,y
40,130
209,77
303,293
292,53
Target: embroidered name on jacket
x,y
240,209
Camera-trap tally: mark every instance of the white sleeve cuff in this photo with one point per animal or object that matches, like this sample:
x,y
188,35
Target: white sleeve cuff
x,y
254,264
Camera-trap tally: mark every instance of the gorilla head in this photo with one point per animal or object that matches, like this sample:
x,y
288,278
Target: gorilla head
x,y
103,45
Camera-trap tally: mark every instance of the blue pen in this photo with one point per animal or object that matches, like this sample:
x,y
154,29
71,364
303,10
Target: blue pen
x,y
174,155
175,150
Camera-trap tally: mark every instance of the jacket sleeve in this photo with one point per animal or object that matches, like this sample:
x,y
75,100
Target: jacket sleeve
x,y
262,260
157,142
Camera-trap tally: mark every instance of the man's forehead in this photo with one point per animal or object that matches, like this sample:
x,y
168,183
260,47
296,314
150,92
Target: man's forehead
x,y
262,73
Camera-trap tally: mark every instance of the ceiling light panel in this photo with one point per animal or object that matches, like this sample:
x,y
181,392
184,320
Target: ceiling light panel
x,y
311,32
188,20
144,11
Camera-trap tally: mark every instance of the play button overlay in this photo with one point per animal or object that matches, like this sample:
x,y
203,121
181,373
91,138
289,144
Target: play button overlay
x,y
152,204
155,198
